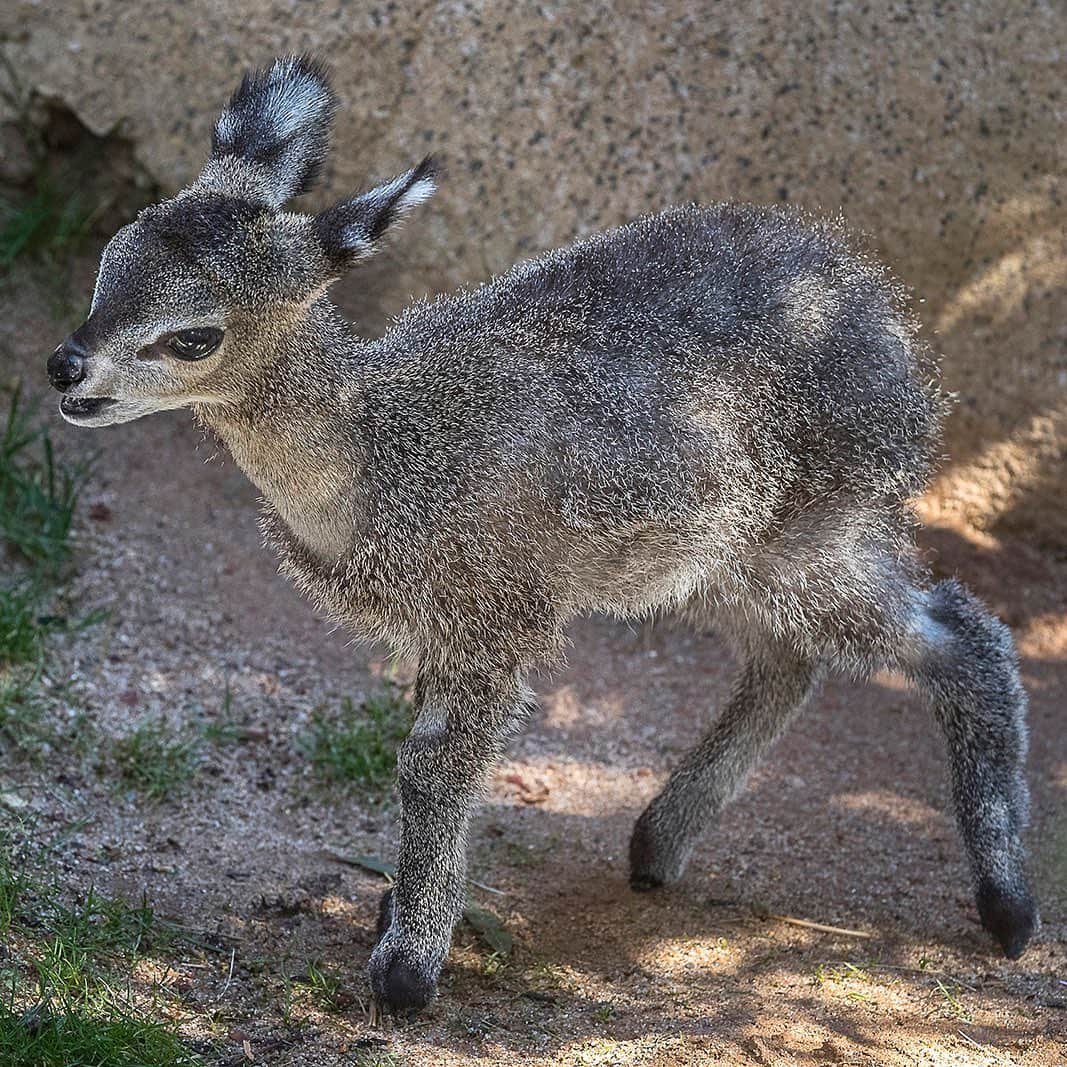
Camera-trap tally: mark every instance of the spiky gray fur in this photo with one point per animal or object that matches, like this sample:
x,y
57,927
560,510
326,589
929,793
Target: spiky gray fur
x,y
719,410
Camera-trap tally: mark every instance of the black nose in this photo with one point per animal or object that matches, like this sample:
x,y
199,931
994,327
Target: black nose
x,y
66,365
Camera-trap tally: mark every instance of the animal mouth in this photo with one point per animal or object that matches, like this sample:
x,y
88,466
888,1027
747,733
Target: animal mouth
x,y
85,406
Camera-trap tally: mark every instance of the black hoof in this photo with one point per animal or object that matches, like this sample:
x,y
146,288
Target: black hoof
x,y
1010,916
400,987
644,883
402,990
642,860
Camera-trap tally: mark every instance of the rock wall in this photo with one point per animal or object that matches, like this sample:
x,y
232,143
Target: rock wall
x,y
936,129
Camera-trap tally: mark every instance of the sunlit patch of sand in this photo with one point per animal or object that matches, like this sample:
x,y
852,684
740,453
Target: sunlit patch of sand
x,y
1002,289
892,806
1044,636
571,787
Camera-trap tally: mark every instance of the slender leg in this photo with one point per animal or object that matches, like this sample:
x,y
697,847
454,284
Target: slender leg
x,y
461,728
963,659
773,685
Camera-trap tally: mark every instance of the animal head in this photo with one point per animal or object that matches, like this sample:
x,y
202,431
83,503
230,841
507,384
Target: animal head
x,y
194,297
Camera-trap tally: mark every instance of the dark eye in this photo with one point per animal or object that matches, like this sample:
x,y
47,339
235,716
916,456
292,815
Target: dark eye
x,y
194,344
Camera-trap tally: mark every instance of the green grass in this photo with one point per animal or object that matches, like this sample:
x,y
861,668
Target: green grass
x,y
31,722
21,636
319,987
324,987
155,760
847,976
67,996
223,729
36,512
841,971
356,746
953,1005
377,1059
47,1040
22,715
37,500
37,503
605,1011
24,629
91,926
66,967
50,223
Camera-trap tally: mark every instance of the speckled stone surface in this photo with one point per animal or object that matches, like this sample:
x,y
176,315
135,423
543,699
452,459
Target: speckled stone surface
x,y
937,129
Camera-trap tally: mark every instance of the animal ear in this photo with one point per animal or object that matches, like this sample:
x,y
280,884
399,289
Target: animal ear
x,y
271,140
352,230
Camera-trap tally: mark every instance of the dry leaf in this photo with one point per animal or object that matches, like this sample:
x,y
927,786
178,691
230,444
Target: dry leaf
x,y
537,793
489,928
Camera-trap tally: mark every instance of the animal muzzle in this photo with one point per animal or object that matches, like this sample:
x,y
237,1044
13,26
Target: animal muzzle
x,y
66,365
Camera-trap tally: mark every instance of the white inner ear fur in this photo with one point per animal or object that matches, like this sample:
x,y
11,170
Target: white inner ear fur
x,y
418,193
355,235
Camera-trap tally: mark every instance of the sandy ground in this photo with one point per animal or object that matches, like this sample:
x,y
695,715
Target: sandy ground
x,y
845,825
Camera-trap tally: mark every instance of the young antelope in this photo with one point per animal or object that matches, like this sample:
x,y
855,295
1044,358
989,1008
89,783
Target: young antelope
x,y
719,410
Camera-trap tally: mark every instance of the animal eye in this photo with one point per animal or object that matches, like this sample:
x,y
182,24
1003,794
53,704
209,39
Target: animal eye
x,y
195,343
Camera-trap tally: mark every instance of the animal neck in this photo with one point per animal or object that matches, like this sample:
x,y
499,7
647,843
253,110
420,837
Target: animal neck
x,y
295,433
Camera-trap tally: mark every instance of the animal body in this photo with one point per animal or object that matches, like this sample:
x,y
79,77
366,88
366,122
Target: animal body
x,y
719,410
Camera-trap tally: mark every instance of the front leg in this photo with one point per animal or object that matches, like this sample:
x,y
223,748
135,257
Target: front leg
x,y
462,724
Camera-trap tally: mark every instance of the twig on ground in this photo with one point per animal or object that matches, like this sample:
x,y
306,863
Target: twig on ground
x,y
987,1049
488,888
971,1041
229,976
821,927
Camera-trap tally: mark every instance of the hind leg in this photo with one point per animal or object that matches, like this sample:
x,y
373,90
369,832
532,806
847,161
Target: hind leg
x,y
963,660
773,685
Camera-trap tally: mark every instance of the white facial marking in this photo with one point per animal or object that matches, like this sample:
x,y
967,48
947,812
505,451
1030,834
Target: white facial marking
x,y
119,411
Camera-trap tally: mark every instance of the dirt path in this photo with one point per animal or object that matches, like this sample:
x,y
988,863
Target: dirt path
x,y
845,826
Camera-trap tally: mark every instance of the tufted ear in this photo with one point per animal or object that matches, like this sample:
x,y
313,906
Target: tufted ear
x,y
352,230
271,140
